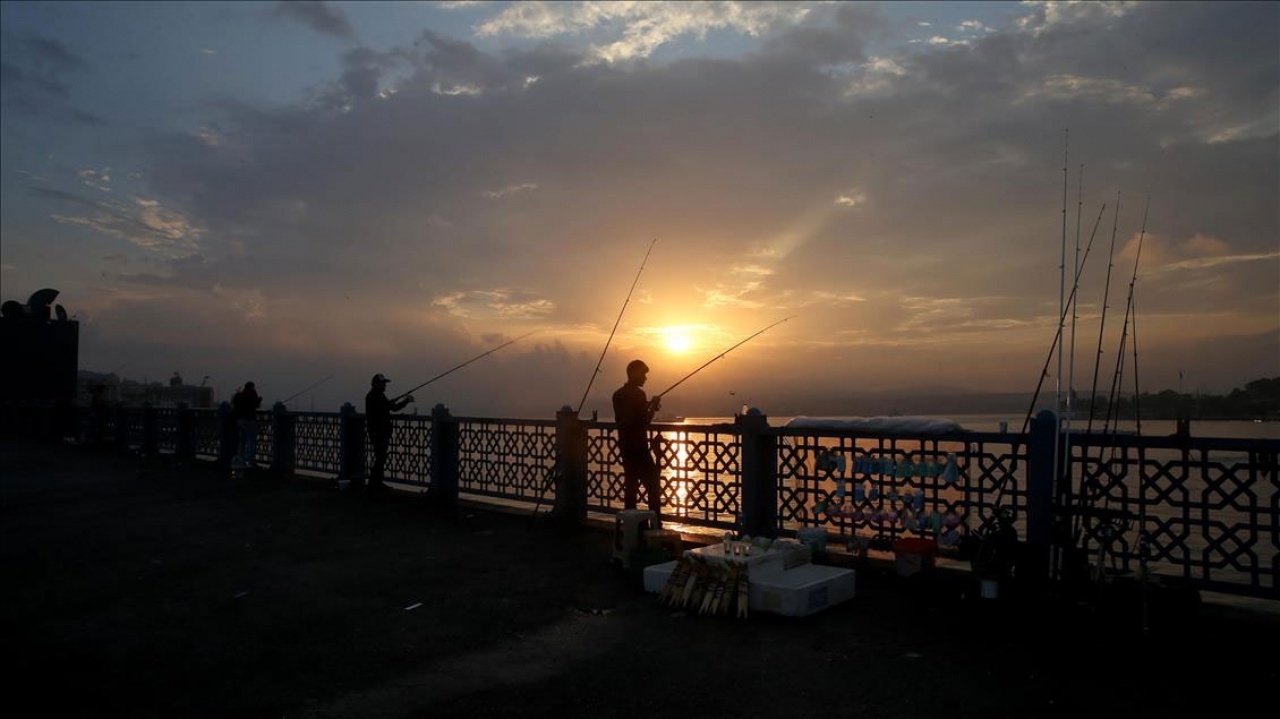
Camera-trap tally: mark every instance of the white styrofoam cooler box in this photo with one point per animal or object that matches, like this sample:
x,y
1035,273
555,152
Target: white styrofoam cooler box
x,y
656,576
794,592
801,590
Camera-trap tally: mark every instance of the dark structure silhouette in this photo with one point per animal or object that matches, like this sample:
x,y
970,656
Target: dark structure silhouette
x,y
633,412
377,410
40,355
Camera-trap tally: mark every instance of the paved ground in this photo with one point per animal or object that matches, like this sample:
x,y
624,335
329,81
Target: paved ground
x,y
137,588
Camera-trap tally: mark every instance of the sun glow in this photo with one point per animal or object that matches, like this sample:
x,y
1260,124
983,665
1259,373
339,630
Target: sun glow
x,y
677,340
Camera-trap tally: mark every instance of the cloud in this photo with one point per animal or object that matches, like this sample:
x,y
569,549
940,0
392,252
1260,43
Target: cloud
x,y
399,222
510,190
644,26
142,222
322,17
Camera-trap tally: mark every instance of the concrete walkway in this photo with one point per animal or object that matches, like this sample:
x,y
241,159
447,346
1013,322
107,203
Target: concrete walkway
x,y
134,587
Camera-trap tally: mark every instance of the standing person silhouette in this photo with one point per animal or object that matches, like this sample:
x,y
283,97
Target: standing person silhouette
x,y
244,408
377,411
633,412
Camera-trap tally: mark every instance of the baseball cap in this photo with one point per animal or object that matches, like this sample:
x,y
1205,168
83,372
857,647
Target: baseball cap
x,y
379,378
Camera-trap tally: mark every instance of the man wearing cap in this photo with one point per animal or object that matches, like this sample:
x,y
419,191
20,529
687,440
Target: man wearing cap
x,y
634,412
377,417
244,409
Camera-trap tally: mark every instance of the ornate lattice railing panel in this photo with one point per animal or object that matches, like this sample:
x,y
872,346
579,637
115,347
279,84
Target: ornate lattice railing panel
x,y
317,442
875,489
506,458
409,454
1204,510
700,467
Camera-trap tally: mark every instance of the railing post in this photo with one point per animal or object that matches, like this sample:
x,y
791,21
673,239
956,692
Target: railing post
x,y
186,434
227,439
149,433
571,461
1041,480
282,439
759,512
445,449
351,446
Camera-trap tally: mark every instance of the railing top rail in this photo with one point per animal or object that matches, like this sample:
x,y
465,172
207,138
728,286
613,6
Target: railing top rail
x,y
1238,444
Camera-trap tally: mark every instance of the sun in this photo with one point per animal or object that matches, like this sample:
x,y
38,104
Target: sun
x,y
677,340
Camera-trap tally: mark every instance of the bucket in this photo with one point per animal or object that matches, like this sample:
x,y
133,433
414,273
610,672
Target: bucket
x,y
913,555
815,537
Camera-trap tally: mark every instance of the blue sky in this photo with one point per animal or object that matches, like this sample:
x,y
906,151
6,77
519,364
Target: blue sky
x,y
286,191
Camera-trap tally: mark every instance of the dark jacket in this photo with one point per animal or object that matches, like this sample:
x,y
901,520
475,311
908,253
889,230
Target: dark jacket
x,y
378,409
244,405
632,412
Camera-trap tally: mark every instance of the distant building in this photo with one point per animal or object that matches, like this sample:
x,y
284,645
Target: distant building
x,y
39,351
129,393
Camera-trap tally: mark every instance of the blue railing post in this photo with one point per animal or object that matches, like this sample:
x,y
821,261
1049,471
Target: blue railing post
x,y
185,447
1041,480
445,447
149,429
571,463
351,445
759,511
281,439
227,436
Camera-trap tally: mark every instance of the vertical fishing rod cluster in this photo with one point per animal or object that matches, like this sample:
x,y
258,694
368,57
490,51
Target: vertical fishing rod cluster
x,y
609,341
1113,398
1106,295
1087,494
1044,371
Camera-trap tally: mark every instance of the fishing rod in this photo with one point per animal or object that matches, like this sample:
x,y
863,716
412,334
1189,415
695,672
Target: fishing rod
x,y
1114,396
1087,491
406,393
722,354
1045,370
1102,324
310,387
596,371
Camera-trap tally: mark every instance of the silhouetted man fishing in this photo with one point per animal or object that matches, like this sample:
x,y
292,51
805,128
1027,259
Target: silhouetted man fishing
x,y
633,412
244,408
377,413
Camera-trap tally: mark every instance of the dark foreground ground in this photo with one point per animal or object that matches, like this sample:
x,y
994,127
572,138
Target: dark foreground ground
x,y
135,588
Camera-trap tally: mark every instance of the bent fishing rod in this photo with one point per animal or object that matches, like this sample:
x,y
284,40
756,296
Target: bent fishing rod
x,y
719,356
310,387
455,368
596,371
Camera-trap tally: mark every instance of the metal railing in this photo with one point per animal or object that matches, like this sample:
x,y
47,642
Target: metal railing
x,y
1204,511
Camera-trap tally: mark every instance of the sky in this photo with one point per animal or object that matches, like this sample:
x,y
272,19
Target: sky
x,y
304,192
